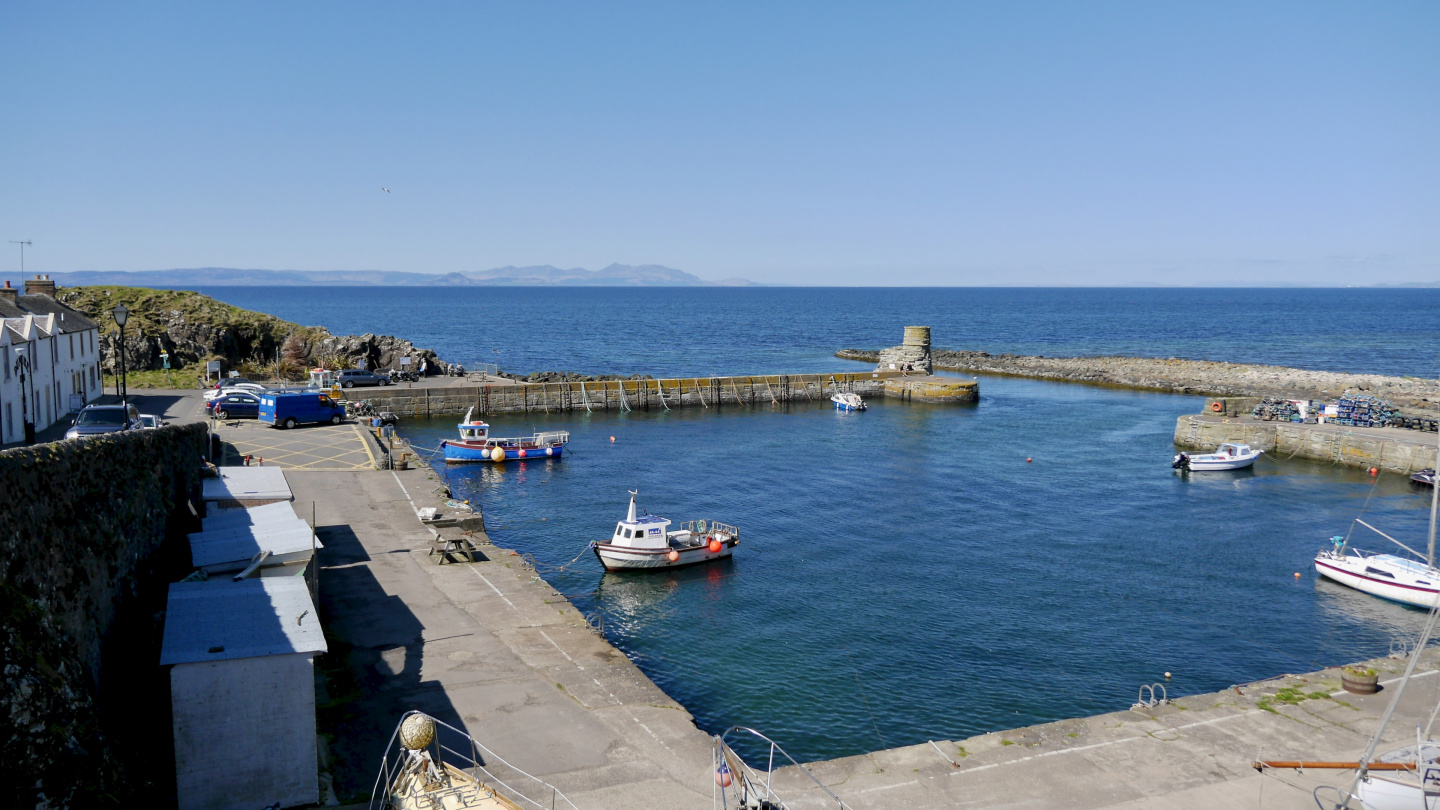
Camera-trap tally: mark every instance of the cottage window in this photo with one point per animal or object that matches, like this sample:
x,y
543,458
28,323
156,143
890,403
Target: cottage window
x,y
72,346
5,356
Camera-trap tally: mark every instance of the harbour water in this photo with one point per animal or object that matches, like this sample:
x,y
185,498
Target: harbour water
x,y
906,574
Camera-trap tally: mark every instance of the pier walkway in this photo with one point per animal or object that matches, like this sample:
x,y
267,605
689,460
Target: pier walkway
x,y
1391,449
660,394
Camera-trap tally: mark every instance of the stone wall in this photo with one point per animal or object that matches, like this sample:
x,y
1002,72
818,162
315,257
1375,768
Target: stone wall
x,y
688,392
1390,449
78,541
1186,376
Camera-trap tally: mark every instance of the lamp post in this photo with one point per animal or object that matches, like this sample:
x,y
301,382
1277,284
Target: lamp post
x,y
121,315
23,369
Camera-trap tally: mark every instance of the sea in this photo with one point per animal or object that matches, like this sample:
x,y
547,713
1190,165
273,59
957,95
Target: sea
x,y
919,572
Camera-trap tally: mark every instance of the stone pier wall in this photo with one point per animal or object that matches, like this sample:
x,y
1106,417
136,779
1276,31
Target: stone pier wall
x,y
687,392
1390,449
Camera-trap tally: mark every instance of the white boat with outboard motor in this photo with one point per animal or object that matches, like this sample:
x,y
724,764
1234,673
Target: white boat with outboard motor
x,y
847,401
645,542
1228,456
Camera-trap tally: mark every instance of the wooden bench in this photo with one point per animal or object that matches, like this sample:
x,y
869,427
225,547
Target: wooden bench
x,y
444,547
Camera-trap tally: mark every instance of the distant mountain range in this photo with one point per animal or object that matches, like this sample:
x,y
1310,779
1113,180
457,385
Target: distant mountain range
x,y
616,275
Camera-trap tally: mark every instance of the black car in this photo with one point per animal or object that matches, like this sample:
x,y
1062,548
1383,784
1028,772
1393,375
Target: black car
x,y
351,377
96,419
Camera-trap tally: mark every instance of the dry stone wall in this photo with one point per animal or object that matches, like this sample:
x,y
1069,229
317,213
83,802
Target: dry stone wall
x,y
78,538
1390,449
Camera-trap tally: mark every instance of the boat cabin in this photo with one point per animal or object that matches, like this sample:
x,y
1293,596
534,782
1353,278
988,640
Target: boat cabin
x,y
642,531
1229,449
474,431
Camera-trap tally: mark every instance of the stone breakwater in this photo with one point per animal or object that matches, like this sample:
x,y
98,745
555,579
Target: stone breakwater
x,y
1185,376
659,394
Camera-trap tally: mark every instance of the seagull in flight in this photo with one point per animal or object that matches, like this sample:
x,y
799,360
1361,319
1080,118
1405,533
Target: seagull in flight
x,y
386,190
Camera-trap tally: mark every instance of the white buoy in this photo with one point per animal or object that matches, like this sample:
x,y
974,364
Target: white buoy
x,y
498,454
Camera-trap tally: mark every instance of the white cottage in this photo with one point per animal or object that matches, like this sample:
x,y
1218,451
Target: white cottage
x,y
51,352
242,692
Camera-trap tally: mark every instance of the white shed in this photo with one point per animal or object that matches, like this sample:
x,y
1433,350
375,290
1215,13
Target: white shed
x,y
242,692
246,486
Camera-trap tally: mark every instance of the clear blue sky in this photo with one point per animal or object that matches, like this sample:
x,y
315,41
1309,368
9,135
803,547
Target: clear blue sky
x,y
825,143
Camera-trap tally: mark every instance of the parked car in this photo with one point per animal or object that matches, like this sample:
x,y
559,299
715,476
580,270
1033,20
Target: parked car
x,y
288,409
229,381
248,387
150,420
94,420
233,405
351,377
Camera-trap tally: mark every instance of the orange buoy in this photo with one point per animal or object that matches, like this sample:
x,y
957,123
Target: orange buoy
x,y
722,776
1216,407
1027,461
522,454
715,546
673,556
1374,470
612,438
1297,574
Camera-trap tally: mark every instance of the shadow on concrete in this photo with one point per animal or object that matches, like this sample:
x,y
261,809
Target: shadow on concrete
x,y
371,675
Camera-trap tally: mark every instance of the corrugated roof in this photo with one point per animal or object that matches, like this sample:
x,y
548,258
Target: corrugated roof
x,y
247,483
223,620
42,305
240,544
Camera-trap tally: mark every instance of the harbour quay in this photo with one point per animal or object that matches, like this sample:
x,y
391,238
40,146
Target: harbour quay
x,y
903,373
1391,449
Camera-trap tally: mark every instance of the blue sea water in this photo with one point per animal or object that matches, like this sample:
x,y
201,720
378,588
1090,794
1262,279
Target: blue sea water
x,y
905,573
716,330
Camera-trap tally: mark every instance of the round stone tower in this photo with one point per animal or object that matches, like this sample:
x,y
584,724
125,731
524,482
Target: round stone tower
x,y
911,355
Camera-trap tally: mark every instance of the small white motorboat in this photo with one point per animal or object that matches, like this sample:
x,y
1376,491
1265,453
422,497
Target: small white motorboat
x,y
845,401
646,542
1228,456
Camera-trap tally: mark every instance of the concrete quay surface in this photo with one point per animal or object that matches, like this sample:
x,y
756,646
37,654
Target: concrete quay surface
x,y
1194,754
488,647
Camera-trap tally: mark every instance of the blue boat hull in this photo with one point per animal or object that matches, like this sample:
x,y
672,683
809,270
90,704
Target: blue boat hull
x,y
455,452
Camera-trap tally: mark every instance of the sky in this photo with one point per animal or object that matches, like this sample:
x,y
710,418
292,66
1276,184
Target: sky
x,y
823,143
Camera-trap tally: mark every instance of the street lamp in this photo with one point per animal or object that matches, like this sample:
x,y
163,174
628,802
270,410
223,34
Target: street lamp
x,y
121,315
23,368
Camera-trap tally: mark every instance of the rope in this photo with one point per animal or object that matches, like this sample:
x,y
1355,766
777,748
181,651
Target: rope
x,y
550,569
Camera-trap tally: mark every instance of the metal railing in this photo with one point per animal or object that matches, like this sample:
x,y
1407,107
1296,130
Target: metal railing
x,y
709,527
745,783
470,758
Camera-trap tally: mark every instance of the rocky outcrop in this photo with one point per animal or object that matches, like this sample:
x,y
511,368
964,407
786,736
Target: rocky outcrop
x,y
193,328
1186,376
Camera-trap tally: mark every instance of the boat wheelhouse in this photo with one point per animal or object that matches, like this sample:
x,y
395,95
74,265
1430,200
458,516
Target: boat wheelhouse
x,y
643,541
476,444
845,401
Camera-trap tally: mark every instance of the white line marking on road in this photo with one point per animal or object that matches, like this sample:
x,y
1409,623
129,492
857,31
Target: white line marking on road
x,y
403,489
651,733
496,590
562,652
888,787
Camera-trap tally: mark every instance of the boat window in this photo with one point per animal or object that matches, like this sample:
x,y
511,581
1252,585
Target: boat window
x,y
627,533
1378,572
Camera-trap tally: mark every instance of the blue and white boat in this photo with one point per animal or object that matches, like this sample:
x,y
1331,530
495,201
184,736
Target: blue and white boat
x,y
847,402
476,444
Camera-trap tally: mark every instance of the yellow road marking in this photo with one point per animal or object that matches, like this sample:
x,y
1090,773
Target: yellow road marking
x,y
364,444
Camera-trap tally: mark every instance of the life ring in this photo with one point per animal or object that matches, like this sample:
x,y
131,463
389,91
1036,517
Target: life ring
x,y
1217,407
700,526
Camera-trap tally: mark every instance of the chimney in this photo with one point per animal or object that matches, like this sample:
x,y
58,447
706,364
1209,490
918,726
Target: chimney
x,y
40,285
8,293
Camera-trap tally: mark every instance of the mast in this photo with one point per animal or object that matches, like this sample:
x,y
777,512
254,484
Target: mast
x,y
1434,500
630,516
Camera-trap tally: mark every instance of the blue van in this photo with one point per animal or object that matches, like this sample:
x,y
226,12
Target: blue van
x,y
286,410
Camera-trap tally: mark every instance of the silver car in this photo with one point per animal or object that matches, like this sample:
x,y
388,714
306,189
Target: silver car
x,y
94,420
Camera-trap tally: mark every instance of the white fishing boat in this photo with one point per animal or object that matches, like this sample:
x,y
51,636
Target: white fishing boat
x,y
846,401
1228,456
431,765
644,541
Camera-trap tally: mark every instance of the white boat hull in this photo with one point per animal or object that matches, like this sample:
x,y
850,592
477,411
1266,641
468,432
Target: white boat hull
x,y
1388,793
1351,571
620,558
1209,465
